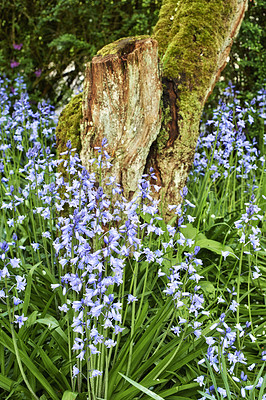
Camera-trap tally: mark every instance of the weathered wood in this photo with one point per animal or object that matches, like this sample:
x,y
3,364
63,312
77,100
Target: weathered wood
x,y
121,102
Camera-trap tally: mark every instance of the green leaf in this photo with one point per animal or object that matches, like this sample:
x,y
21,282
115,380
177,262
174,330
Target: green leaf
x,y
257,380
52,323
262,388
216,247
208,288
203,242
142,388
8,385
32,318
189,231
53,371
181,388
69,395
206,395
8,343
142,343
28,288
224,373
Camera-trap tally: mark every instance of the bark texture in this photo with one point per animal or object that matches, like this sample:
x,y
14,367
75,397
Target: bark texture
x,y
121,102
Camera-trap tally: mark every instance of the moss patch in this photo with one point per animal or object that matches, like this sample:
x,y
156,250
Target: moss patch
x,y
120,46
189,36
68,127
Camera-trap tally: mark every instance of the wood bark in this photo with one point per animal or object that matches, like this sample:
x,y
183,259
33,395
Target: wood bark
x,y
149,106
121,102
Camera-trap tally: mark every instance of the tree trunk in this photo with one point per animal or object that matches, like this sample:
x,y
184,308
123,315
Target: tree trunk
x,y
195,38
125,82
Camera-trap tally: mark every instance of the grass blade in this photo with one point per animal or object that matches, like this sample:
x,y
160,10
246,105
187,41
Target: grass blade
x,y
142,388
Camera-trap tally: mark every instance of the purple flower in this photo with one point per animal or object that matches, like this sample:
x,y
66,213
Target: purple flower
x,y
233,306
200,380
131,298
75,371
35,246
21,283
16,300
176,330
38,72
109,343
15,262
17,46
14,64
63,308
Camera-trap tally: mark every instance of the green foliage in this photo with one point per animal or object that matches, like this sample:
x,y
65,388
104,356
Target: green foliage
x,y
247,66
57,34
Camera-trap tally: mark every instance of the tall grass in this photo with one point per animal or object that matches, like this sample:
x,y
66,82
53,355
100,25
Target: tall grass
x,y
101,298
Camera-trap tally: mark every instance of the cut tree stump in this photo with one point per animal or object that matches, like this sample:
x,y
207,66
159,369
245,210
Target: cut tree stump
x,y
121,102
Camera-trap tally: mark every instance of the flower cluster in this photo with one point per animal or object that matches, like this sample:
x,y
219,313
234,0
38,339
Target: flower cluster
x,y
24,134
225,356
226,149
249,231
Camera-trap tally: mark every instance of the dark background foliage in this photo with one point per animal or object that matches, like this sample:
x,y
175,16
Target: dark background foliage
x,y
59,33
56,34
246,68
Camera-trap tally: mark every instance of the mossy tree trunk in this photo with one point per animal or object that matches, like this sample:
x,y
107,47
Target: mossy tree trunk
x,y
195,38
126,80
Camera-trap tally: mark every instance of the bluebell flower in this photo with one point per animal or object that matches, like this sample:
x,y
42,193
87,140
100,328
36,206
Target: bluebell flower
x,y
20,319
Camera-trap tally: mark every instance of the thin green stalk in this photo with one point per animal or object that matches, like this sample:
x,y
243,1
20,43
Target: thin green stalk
x,y
16,347
238,289
132,330
106,376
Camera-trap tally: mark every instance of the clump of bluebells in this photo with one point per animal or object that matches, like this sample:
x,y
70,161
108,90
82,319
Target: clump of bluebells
x,y
229,170
230,153
96,240
23,134
97,251
228,137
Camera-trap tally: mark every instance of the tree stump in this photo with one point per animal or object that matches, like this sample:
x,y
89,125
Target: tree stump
x,y
121,102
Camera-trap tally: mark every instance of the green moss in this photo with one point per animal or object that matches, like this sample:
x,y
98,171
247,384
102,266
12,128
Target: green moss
x,y
68,127
188,37
120,45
